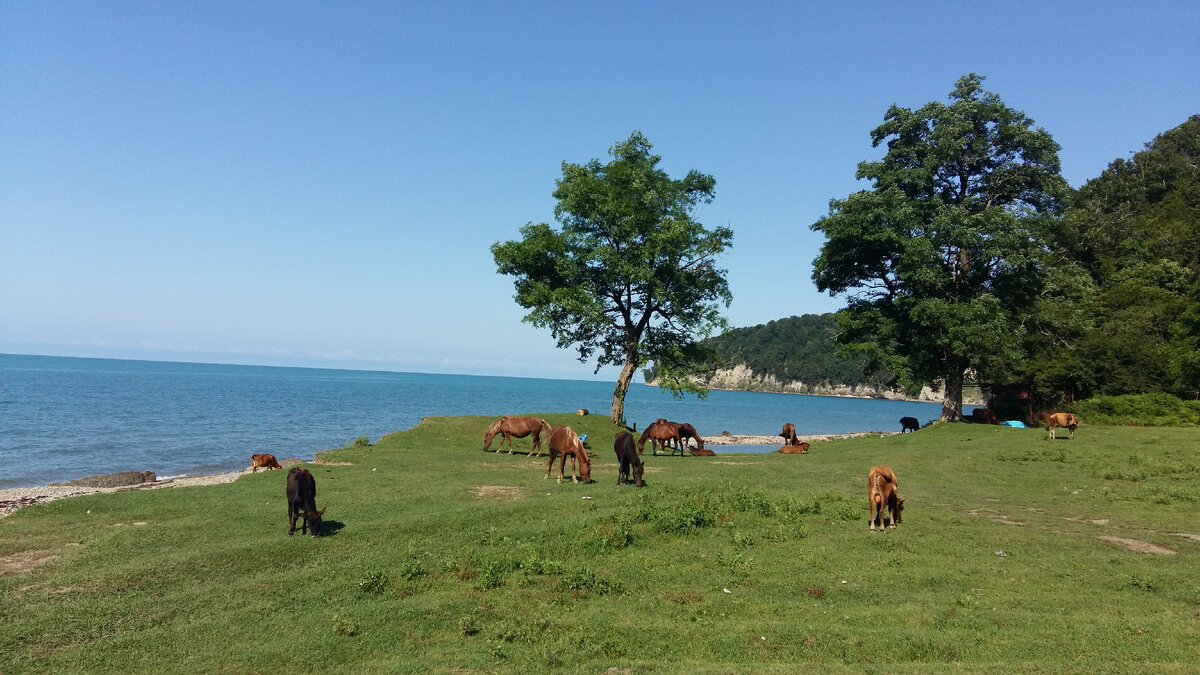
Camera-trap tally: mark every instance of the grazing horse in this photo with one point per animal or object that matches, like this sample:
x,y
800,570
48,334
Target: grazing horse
x,y
789,434
302,501
1062,419
265,461
563,442
628,457
518,427
687,431
882,493
659,432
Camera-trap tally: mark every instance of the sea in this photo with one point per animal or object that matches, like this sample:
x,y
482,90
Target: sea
x,y
63,418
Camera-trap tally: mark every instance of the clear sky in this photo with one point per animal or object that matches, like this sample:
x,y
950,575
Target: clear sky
x,y
318,183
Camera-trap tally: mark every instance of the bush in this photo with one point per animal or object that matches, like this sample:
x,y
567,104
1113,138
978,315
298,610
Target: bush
x,y
1139,410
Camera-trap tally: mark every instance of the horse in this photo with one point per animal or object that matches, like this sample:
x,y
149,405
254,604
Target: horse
x,y
789,434
882,492
627,457
1062,419
518,427
564,441
909,424
797,449
659,432
688,431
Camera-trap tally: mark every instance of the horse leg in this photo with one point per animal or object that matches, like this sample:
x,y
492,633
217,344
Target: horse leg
x,y
551,464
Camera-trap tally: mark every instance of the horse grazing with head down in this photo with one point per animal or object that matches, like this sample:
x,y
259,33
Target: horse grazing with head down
x,y
518,427
564,441
1062,419
659,432
627,458
687,431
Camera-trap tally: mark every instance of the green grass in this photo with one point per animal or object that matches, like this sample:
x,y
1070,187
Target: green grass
x,y
440,557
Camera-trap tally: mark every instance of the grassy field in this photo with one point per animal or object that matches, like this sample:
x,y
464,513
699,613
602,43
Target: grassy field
x,y
1016,554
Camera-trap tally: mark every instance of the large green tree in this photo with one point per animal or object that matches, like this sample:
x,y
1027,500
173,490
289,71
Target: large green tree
x,y
941,258
631,277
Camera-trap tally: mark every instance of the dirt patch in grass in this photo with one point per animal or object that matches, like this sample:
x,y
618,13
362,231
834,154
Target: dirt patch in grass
x,y
330,462
1139,545
1187,535
23,562
503,492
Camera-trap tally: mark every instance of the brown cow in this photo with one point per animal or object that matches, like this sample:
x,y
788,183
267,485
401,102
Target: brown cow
x,y
627,456
1062,419
789,434
797,449
265,461
882,492
564,441
983,416
302,501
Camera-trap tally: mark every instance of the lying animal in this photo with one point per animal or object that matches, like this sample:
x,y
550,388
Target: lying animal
x,y
882,492
797,449
909,424
302,501
701,452
1062,419
265,461
627,456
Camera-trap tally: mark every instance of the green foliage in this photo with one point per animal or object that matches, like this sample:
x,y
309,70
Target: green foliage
x,y
1140,410
940,259
360,443
631,277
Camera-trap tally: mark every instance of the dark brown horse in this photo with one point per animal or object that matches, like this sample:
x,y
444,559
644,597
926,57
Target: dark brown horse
x,y
564,441
687,431
659,432
789,434
627,458
518,427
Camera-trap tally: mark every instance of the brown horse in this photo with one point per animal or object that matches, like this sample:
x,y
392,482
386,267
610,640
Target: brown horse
x,y
882,493
659,432
797,449
518,427
1062,419
789,434
564,441
687,431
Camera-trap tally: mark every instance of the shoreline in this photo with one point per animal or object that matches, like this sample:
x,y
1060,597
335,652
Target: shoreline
x,y
12,499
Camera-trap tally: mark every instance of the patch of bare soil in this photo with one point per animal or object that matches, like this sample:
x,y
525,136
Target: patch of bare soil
x,y
505,492
1138,545
1001,518
1187,535
22,562
734,463
330,462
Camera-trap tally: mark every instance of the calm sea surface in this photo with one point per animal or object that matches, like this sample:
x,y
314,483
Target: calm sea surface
x,y
64,418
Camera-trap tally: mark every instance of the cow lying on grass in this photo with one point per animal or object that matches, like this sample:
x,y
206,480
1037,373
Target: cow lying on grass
x,y
264,461
882,493
302,501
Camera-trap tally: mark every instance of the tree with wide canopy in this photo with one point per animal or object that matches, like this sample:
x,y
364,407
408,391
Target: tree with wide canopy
x,y
631,277
941,257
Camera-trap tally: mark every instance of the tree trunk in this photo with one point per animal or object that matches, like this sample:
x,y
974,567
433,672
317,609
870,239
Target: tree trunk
x,y
952,401
618,403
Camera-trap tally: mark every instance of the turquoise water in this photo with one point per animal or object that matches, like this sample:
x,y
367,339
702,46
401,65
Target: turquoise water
x,y
63,418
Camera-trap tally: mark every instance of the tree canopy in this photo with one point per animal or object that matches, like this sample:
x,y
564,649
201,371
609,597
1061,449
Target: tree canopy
x,y
631,276
941,258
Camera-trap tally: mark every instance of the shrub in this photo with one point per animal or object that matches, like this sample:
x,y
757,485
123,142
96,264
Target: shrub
x,y
1139,410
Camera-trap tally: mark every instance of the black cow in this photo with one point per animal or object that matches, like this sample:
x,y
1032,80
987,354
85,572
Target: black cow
x,y
909,424
302,501
627,455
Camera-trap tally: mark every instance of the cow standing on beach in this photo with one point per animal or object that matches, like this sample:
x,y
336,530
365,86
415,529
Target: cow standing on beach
x,y
302,501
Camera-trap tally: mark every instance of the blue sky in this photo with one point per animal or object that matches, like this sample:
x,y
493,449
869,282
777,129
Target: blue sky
x,y
317,184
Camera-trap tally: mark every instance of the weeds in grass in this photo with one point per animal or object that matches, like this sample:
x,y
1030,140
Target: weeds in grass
x,y
373,583
343,627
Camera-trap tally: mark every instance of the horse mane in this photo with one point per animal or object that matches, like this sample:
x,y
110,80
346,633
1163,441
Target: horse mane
x,y
495,426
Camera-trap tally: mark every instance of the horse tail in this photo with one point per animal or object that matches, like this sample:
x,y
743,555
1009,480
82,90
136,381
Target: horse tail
x,y
537,435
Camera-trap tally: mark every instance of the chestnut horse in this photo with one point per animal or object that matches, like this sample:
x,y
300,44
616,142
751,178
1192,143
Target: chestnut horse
x,y
518,427
882,493
1062,419
564,441
789,434
659,432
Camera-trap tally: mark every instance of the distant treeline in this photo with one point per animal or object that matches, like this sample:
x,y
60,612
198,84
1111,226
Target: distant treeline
x,y
795,349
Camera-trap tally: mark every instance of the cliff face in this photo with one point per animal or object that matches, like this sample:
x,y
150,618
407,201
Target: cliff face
x,y
742,378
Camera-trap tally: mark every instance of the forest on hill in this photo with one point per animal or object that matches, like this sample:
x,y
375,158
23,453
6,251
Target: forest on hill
x,y
1119,312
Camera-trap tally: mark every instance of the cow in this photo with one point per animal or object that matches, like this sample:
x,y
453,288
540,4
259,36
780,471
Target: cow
x,y
983,416
789,434
797,449
627,456
1062,419
909,424
882,492
265,461
302,501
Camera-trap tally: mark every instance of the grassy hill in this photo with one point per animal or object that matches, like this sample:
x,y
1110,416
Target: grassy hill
x,y
1016,553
